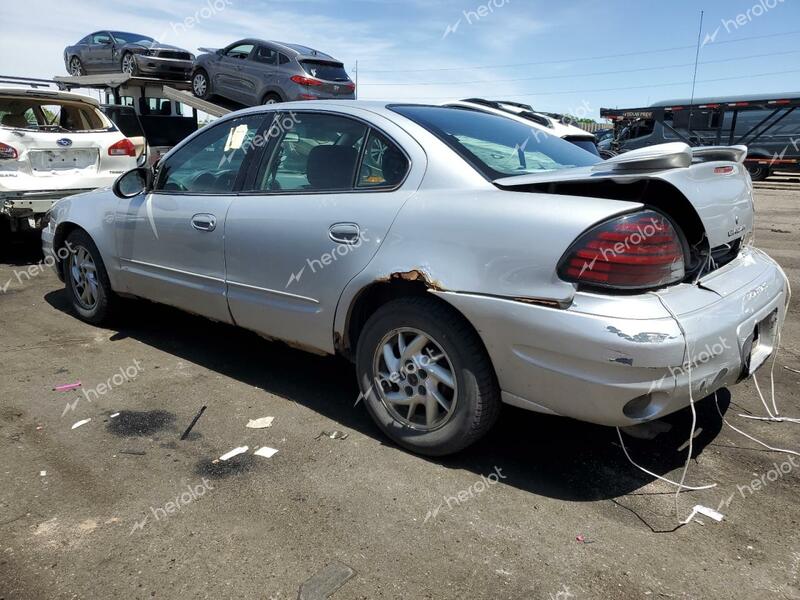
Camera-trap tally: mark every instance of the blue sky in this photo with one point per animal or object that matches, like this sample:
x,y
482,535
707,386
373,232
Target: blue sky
x,y
433,51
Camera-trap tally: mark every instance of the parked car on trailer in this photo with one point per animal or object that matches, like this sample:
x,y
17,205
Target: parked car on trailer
x,y
555,124
132,53
53,144
768,124
459,260
253,72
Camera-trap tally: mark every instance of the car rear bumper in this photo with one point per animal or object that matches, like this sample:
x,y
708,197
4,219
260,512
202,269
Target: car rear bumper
x,y
623,360
167,68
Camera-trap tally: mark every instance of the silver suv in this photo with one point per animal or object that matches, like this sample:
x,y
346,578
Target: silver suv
x,y
254,72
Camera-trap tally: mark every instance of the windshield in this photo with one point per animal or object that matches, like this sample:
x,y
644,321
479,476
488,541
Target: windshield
x,y
494,145
50,115
127,38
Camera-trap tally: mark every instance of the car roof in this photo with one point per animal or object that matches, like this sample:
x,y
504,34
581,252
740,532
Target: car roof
x,y
47,94
291,49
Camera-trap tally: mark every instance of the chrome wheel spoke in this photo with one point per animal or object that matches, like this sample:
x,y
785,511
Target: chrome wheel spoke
x,y
392,362
440,400
415,347
441,375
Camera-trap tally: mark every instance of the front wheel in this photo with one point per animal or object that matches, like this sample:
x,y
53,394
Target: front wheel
x,y
200,85
129,64
86,280
75,67
425,377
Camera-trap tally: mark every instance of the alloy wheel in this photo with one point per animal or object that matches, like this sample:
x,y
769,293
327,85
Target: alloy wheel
x,y
75,67
128,65
83,272
415,379
199,85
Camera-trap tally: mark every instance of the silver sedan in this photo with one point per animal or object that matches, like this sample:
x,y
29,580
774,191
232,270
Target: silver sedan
x,y
461,259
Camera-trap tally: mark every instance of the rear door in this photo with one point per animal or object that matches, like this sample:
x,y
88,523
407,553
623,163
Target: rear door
x,y
171,241
319,206
259,73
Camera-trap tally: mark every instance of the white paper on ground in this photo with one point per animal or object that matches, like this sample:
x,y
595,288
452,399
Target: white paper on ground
x,y
79,423
266,452
260,423
234,452
115,415
42,473
704,510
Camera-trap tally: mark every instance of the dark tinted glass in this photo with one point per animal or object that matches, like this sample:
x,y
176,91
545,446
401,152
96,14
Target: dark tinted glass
x,y
587,145
125,119
325,70
497,146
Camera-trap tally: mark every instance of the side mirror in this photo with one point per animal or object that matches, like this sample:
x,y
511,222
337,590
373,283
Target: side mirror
x,y
134,182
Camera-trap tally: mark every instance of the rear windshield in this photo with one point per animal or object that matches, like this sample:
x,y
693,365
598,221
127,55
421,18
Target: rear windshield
x,y
497,146
330,71
585,143
50,115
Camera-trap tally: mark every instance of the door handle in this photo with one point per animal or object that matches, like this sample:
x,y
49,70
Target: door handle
x,y
345,233
204,222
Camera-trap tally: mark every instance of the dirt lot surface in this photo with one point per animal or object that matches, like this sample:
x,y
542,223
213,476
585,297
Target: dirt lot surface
x,y
102,510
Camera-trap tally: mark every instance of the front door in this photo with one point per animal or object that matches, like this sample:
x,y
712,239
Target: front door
x,y
320,205
171,240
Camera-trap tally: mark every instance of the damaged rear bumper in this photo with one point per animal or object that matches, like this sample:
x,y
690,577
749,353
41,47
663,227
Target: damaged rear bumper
x,y
623,360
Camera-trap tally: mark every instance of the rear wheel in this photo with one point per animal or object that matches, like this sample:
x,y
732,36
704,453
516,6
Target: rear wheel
x,y
758,172
271,98
75,67
86,280
425,377
201,86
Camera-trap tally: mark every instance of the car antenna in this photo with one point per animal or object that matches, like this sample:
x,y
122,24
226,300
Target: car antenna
x,y
694,77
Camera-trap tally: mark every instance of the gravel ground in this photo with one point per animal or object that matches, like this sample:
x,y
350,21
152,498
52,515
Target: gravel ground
x,y
103,510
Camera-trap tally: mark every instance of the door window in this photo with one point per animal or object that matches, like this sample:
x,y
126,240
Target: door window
x,y
315,153
383,164
211,162
265,55
101,38
241,51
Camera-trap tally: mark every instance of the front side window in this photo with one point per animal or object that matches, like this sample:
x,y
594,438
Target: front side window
x,y
497,146
241,51
211,162
383,164
101,38
315,153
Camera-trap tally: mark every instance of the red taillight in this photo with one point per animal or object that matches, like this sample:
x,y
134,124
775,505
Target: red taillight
x,y
8,152
350,86
637,251
306,80
124,147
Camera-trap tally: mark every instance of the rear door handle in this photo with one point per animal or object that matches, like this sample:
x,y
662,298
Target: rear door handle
x,y
345,233
204,222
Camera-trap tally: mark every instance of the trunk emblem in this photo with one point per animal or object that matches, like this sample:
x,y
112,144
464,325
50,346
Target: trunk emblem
x,y
64,142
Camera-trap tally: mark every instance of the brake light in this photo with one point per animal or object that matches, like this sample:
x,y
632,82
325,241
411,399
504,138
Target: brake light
x,y
124,147
306,80
350,86
635,252
8,152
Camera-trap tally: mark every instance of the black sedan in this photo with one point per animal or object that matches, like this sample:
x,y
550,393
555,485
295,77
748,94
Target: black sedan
x,y
133,53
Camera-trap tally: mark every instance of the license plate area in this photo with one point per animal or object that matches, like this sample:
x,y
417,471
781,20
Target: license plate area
x,y
760,345
62,160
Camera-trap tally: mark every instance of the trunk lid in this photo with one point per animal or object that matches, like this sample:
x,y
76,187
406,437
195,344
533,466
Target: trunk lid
x,y
713,179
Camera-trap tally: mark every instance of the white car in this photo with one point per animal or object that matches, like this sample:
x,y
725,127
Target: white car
x,y
557,125
54,144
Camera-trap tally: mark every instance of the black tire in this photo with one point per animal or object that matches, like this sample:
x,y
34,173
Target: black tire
x,y
102,309
271,98
477,404
758,172
133,67
76,67
201,91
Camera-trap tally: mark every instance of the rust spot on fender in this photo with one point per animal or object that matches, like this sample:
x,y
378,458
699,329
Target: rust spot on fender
x,y
415,275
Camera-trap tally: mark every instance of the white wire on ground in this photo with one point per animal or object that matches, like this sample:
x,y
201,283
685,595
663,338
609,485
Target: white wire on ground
x,y
747,435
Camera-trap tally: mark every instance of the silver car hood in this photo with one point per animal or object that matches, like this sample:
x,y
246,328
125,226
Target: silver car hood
x,y
723,201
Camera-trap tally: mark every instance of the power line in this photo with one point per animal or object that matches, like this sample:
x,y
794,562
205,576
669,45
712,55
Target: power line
x,y
585,74
617,89
580,59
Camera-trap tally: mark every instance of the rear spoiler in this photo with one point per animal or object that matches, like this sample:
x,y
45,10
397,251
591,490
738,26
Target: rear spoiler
x,y
675,155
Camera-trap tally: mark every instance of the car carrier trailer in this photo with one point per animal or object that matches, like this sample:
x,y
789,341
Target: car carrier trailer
x,y
769,125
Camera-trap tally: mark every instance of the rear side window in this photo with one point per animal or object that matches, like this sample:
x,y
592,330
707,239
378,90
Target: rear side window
x,y
265,55
125,119
383,164
283,59
497,146
330,71
315,153
210,163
